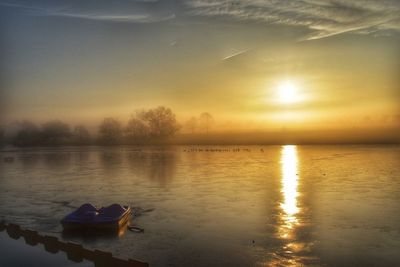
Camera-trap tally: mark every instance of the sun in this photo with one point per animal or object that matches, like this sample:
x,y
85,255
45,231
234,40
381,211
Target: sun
x,y
287,92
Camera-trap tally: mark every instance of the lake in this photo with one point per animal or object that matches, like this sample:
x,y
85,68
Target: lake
x,y
218,205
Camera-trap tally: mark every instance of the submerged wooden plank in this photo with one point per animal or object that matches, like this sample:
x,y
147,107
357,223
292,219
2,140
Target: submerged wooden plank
x,y
75,252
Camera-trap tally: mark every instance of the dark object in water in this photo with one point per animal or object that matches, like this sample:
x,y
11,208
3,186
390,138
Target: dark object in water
x,y
51,244
13,230
102,258
106,218
31,237
75,252
135,229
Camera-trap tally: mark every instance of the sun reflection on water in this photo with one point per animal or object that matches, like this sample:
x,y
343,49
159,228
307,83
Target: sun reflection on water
x,y
294,248
289,190
287,252
286,255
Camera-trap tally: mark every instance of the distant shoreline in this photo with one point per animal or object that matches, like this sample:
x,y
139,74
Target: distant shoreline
x,y
293,137
13,148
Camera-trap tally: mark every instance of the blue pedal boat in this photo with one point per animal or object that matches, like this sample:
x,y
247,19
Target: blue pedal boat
x,y
88,217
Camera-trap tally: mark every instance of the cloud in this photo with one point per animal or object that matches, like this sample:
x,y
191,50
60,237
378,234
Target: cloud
x,y
234,55
133,11
134,18
323,18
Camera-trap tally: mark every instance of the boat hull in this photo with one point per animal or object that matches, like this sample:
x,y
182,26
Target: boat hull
x,y
98,224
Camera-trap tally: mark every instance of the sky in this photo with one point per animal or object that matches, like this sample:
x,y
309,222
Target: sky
x,y
254,65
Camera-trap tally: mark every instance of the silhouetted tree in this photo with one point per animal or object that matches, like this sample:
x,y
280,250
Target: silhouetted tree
x,y
137,131
148,125
192,124
110,131
206,121
28,134
161,122
55,133
81,135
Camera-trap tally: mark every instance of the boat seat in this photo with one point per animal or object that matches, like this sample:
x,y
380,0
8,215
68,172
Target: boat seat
x,y
86,209
114,210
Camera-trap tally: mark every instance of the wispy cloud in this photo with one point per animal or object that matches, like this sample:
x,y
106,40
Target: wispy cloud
x,y
231,56
134,18
133,11
323,18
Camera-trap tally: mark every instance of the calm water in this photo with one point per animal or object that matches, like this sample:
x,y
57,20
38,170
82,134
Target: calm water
x,y
222,206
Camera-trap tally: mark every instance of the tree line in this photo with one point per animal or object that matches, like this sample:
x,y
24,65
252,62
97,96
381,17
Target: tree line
x,y
150,126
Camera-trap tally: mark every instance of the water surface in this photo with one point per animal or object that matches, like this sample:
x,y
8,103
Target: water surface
x,y
219,206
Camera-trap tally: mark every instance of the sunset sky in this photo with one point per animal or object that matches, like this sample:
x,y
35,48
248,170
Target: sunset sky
x,y
252,64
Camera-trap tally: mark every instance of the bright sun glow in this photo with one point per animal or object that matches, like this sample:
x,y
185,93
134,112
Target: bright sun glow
x,y
288,92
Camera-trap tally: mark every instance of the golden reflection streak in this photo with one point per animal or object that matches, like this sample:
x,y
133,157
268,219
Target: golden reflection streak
x,y
289,253
289,191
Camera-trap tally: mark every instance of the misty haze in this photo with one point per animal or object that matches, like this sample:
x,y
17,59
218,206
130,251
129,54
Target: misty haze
x,y
199,133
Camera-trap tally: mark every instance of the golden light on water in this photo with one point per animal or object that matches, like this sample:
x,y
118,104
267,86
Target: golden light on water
x,y
289,190
286,254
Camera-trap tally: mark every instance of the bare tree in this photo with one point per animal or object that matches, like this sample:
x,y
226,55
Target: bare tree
x,y
192,124
206,121
110,131
137,131
161,122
